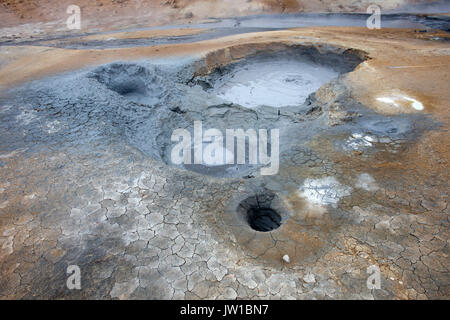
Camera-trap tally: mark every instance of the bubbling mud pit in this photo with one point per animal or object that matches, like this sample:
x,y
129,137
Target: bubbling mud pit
x,y
264,89
286,78
272,82
236,94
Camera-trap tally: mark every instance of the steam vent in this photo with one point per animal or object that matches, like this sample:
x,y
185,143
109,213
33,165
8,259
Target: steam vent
x,y
229,150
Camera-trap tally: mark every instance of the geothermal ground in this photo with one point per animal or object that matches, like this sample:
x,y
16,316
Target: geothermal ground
x,y
86,176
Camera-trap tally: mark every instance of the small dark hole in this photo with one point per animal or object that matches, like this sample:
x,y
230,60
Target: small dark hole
x,y
263,219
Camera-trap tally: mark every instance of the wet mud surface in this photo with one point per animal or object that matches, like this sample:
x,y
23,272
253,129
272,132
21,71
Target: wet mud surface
x,y
218,28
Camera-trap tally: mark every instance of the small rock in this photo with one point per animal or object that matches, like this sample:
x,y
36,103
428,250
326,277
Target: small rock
x,y
286,259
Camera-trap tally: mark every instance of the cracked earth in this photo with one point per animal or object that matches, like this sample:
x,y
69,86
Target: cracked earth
x,y
85,180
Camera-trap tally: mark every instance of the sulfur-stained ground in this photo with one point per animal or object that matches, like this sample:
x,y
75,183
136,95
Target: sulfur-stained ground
x,y
364,181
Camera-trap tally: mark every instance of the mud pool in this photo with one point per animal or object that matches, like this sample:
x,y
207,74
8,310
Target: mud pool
x,y
272,82
144,102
